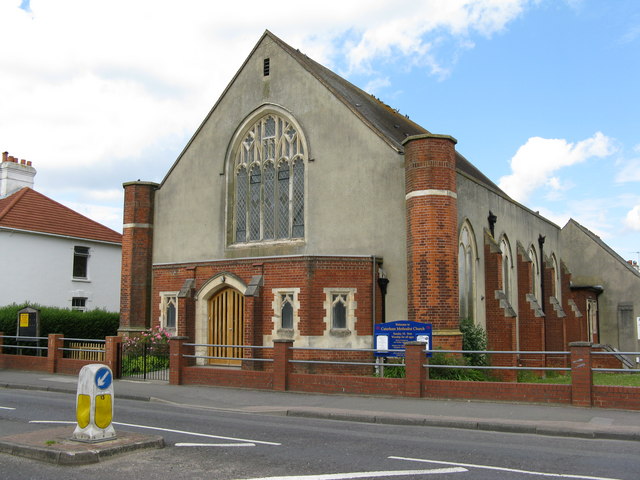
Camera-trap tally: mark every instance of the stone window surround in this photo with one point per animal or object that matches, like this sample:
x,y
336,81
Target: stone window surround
x,y
279,332
232,167
165,299
350,311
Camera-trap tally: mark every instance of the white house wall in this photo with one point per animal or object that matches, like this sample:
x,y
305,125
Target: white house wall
x,y
39,268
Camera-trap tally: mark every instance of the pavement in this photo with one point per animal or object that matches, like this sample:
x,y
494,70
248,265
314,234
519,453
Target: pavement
x,y
548,419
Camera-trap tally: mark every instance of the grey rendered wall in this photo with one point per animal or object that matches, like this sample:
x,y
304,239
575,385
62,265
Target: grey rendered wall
x,y
354,201
513,220
593,264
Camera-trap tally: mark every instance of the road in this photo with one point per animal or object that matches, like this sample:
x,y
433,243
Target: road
x,y
214,444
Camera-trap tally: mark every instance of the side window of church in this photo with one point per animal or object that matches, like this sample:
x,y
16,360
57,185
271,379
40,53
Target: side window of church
x,y
339,311
80,262
286,311
169,312
269,182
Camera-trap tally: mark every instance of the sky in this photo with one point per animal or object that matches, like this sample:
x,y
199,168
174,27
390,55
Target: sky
x,y
543,96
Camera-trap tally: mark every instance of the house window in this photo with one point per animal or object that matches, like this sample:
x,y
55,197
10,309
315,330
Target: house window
x,y
80,262
340,306
269,182
286,311
169,311
79,303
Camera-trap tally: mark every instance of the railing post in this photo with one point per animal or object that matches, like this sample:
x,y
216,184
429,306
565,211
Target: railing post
x,y
1,349
281,367
54,343
415,373
176,359
111,350
581,377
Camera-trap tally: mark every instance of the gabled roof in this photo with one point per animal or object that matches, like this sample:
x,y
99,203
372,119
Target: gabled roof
x,y
34,212
595,238
387,122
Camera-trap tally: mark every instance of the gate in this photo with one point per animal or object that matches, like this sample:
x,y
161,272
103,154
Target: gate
x,y
145,361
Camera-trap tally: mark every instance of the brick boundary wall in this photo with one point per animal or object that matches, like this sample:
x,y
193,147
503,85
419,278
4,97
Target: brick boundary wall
x,y
581,392
54,361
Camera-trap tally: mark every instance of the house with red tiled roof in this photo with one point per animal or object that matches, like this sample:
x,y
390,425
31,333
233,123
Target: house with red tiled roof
x,y
52,255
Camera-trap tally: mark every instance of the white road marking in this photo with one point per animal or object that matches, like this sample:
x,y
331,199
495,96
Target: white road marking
x,y
184,444
7,408
502,469
195,434
345,476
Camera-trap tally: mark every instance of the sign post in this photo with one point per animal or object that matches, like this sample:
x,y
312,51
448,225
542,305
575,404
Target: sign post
x,y
94,404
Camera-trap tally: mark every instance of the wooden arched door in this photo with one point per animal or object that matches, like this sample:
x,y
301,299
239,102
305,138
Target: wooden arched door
x,y
226,326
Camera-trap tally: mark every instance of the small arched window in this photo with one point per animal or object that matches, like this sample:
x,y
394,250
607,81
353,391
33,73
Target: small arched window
x,y
466,273
556,287
507,264
535,273
268,184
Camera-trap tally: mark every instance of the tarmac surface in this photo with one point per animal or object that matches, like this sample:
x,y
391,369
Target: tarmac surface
x,y
556,420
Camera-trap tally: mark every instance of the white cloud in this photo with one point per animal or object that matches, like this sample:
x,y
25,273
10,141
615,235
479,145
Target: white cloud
x,y
91,90
630,171
632,220
535,162
401,27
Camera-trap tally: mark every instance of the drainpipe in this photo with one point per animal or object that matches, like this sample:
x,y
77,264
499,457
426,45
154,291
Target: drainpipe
x,y
383,282
373,296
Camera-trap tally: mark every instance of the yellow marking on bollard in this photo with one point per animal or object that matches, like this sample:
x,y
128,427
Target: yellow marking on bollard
x,y
83,410
103,411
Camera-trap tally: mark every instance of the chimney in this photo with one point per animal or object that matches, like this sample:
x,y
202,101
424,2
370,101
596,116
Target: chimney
x,y
15,174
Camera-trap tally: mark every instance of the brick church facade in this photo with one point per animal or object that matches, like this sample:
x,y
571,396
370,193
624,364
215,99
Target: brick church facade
x,y
304,208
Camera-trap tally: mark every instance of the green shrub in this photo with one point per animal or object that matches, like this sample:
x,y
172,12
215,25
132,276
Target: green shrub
x,y
136,365
473,338
392,370
453,373
92,324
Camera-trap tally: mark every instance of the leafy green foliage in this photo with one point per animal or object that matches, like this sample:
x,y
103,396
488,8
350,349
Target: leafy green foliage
x,y
453,373
474,338
135,365
92,324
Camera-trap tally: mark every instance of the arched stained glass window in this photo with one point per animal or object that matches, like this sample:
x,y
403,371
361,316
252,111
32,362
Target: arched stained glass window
x,y
269,178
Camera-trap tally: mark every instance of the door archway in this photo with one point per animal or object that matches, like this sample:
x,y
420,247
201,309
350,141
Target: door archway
x,y
226,327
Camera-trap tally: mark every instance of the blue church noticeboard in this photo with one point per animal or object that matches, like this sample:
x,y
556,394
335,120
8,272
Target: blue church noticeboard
x,y
393,336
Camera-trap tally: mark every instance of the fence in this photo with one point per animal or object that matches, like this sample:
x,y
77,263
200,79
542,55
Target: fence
x,y
60,355
285,367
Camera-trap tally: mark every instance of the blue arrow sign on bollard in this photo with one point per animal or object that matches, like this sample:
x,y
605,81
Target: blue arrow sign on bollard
x,y
103,378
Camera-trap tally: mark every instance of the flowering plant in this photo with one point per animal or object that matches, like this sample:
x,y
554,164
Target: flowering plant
x,y
153,336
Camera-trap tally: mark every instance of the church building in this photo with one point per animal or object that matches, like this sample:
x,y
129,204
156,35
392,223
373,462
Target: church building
x,y
304,208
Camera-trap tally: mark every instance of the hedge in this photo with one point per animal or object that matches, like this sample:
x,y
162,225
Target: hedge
x,y
92,324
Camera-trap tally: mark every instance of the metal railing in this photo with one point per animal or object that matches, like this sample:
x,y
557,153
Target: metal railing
x,y
19,339
215,345
616,354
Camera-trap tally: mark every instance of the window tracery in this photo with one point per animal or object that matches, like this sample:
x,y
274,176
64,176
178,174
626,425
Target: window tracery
x,y
269,178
